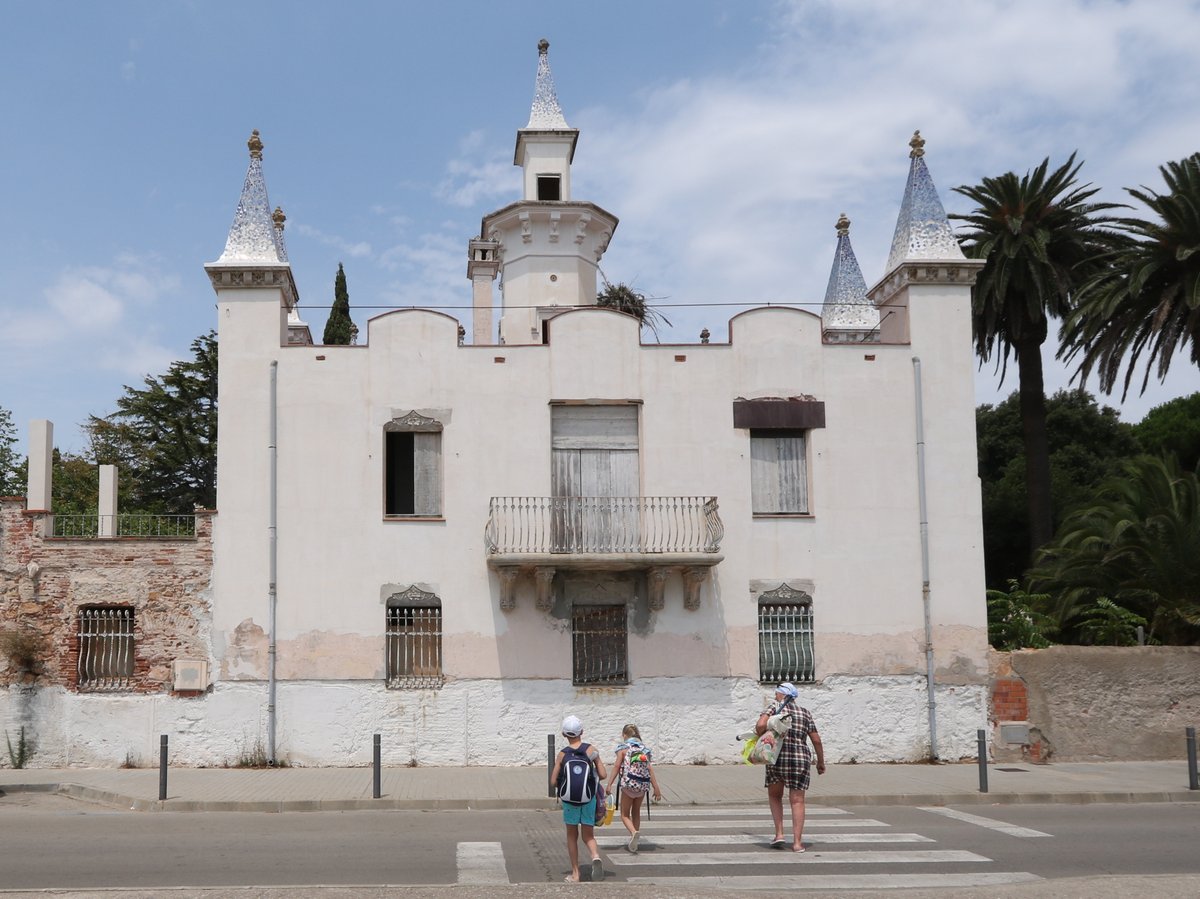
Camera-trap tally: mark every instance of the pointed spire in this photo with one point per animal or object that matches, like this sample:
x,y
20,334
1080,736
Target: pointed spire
x,y
922,229
546,115
253,236
846,304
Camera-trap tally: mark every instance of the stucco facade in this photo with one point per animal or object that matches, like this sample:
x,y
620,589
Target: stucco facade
x,y
697,557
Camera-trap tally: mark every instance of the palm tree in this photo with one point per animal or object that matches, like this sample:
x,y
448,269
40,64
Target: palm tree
x,y
1040,236
1137,545
624,298
1149,296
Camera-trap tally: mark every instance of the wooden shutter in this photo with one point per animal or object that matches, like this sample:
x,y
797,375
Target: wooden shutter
x,y
778,477
427,473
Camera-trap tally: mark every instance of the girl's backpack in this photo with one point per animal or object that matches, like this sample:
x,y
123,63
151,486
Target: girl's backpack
x,y
636,766
577,780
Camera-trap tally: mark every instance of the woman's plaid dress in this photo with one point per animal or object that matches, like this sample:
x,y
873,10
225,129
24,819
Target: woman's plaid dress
x,y
795,758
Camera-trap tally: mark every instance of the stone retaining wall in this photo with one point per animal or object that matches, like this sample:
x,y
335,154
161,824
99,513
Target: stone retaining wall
x,y
1096,703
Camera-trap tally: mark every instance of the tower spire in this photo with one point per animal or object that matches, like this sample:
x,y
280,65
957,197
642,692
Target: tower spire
x,y
922,228
846,305
253,237
546,114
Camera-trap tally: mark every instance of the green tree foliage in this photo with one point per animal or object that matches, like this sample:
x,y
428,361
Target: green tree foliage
x,y
1147,296
1173,427
1015,620
1136,544
11,481
1039,235
1089,444
1107,624
338,326
76,487
625,299
164,436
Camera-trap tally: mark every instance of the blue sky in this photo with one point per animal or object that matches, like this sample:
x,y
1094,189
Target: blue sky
x,y
727,137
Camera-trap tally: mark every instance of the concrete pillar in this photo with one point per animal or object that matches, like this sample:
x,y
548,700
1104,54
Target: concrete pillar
x,y
481,299
108,501
41,471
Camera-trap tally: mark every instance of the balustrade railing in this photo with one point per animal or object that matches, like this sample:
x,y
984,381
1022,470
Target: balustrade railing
x,y
124,525
603,524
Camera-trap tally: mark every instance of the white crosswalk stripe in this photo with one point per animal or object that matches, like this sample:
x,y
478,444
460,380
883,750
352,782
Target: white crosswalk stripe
x,y
481,863
779,883
679,846
745,839
990,823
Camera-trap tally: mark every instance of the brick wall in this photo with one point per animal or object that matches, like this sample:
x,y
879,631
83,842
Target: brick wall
x,y
45,582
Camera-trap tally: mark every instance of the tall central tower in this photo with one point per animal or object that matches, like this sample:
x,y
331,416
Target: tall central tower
x,y
546,247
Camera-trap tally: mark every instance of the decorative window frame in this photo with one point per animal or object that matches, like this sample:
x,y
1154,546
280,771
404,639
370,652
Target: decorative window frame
x,y
786,613
420,649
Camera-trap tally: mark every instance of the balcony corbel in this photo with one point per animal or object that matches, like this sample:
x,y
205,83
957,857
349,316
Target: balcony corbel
x,y
508,588
656,583
544,578
693,580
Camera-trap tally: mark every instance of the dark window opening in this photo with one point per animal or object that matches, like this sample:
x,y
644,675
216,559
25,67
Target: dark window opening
x,y
549,187
401,469
600,645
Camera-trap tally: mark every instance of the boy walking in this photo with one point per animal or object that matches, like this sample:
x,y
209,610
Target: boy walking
x,y
577,771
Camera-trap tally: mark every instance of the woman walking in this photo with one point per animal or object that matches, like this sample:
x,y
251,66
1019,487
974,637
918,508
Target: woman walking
x,y
635,775
791,768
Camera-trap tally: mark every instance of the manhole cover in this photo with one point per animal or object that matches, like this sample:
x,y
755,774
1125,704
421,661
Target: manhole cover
x,y
1018,770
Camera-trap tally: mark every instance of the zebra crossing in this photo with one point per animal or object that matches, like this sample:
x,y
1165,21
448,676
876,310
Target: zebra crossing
x,y
680,846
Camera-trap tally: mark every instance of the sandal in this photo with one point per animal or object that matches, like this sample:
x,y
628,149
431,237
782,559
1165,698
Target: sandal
x,y
778,844
597,870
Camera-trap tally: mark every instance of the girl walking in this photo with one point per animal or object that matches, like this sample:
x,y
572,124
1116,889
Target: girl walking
x,y
635,773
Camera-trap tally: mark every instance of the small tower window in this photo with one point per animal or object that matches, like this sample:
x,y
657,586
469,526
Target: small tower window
x,y
549,187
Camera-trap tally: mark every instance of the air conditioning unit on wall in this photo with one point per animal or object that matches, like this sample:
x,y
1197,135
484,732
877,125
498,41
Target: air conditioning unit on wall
x,y
190,674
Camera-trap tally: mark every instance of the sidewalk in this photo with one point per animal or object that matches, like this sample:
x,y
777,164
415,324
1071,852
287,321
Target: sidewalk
x,y
349,789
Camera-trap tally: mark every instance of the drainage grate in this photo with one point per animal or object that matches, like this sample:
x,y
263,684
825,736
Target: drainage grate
x,y
1015,770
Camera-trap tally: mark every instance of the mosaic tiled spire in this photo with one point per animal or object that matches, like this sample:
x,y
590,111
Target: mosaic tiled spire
x,y
846,304
922,229
546,115
278,219
253,237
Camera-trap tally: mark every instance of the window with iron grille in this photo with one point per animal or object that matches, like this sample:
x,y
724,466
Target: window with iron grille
x,y
413,640
785,637
599,645
105,648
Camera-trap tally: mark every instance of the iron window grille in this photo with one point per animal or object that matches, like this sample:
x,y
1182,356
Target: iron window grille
x,y
413,641
785,641
106,648
599,645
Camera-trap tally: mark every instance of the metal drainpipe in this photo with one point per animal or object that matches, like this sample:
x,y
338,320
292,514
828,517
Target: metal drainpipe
x,y
272,556
929,683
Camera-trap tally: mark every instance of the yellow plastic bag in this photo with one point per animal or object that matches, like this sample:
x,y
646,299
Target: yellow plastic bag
x,y
748,749
610,809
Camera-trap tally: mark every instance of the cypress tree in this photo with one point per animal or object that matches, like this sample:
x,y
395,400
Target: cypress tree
x,y
338,325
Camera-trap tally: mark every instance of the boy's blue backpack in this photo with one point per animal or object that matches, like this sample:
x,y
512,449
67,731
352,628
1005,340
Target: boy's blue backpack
x,y
577,780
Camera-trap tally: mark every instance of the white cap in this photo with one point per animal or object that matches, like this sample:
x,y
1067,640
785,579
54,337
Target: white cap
x,y
572,726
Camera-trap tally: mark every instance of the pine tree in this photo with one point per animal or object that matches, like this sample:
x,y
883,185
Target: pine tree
x,y
339,326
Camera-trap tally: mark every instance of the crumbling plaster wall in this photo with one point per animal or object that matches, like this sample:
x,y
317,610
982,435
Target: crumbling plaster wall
x,y
1100,703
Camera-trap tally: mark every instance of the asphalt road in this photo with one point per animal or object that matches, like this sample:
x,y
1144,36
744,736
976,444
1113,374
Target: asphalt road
x,y
49,842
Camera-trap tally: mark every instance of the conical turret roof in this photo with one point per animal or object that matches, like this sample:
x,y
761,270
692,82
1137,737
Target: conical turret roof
x,y
846,304
546,114
253,237
922,229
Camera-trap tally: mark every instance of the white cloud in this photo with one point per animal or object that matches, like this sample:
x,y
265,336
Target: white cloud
x,y
129,70
354,249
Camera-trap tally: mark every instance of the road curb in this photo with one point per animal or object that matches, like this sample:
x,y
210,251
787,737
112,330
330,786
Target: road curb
x,y
120,800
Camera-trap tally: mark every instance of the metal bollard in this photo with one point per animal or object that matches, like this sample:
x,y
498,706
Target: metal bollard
x,y
162,768
550,763
375,786
1193,780
981,738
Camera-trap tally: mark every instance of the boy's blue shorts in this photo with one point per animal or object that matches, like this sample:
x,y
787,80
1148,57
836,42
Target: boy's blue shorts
x,y
580,814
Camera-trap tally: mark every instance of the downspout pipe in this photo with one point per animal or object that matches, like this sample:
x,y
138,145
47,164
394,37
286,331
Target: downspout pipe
x,y
924,512
272,557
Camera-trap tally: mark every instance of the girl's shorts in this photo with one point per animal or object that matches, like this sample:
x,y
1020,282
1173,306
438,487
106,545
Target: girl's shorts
x,y
580,814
